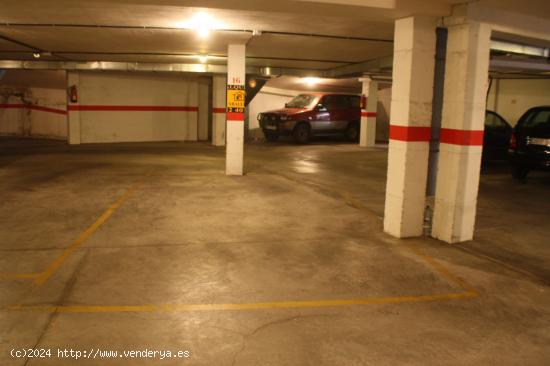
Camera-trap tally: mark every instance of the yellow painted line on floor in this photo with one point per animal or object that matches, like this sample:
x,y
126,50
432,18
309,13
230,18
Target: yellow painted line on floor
x,y
250,306
18,276
48,272
442,270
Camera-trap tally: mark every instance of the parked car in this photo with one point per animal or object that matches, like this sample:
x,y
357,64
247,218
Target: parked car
x,y
530,142
314,114
496,138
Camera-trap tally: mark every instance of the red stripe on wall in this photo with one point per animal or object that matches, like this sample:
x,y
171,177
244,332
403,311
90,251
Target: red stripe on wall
x,y
218,110
234,116
33,107
132,108
409,133
368,114
461,137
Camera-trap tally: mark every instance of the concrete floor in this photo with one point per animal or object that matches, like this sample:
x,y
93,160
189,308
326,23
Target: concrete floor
x,y
150,246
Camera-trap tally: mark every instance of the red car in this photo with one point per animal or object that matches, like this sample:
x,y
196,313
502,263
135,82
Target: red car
x,y
314,114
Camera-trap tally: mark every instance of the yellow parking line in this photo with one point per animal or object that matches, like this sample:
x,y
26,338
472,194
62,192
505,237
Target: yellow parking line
x,y
245,306
18,276
442,270
48,272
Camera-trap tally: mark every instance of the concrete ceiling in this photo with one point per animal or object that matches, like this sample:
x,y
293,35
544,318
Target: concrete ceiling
x,y
345,85
150,30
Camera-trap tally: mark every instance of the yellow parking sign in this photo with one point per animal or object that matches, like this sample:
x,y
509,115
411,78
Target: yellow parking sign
x,y
235,98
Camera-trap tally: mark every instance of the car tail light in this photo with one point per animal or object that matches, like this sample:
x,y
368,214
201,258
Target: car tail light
x,y
513,141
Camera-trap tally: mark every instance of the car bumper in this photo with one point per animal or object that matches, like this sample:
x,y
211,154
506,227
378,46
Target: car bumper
x,y
278,127
539,161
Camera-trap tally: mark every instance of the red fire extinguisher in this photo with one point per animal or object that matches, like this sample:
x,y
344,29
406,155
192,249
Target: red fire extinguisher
x,y
73,94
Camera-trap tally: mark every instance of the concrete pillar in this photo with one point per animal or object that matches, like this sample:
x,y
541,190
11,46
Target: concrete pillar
x,y
204,97
192,132
218,110
461,137
73,114
235,109
411,114
367,135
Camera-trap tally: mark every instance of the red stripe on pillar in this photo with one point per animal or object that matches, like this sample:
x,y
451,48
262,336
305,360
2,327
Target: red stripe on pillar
x,y
409,133
235,116
218,110
461,137
132,108
33,107
368,114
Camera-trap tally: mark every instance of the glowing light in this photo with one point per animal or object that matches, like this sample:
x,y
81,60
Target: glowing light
x,y
36,54
202,24
311,81
203,58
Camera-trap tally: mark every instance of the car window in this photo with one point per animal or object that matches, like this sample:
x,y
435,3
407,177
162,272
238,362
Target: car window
x,y
538,119
493,120
336,102
302,101
330,102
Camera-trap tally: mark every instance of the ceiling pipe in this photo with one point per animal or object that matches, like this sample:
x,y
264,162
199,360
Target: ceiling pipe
x,y
253,32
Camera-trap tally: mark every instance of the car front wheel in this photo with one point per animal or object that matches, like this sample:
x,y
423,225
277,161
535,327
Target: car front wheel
x,y
519,171
301,133
352,132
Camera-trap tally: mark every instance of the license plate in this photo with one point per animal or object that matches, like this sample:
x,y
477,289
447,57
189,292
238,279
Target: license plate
x,y
270,127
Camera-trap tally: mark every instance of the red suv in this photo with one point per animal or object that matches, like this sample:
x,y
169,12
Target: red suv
x,y
314,114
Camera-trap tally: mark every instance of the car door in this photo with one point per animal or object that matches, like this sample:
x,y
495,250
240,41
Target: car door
x,y
341,115
322,122
496,136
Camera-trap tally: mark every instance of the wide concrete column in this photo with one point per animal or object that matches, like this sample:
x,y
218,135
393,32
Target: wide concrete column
x,y
73,114
235,109
219,107
461,138
368,114
411,114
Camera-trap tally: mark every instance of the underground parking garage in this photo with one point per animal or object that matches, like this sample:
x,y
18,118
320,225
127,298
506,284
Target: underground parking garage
x,y
303,183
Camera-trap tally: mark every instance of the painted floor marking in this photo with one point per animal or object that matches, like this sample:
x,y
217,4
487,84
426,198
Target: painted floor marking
x,y
41,277
469,292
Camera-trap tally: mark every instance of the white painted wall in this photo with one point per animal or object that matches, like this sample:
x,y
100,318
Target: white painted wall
x,y
512,97
136,89
49,124
31,122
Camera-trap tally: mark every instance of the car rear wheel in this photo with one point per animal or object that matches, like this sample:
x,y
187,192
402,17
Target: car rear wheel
x,y
301,133
271,136
352,132
519,171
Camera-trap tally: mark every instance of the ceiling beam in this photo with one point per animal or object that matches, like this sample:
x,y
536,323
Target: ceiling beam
x,y
108,26
152,67
380,65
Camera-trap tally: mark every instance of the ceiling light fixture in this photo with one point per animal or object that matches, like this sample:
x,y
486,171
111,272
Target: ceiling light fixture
x,y
311,81
203,58
202,24
36,54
